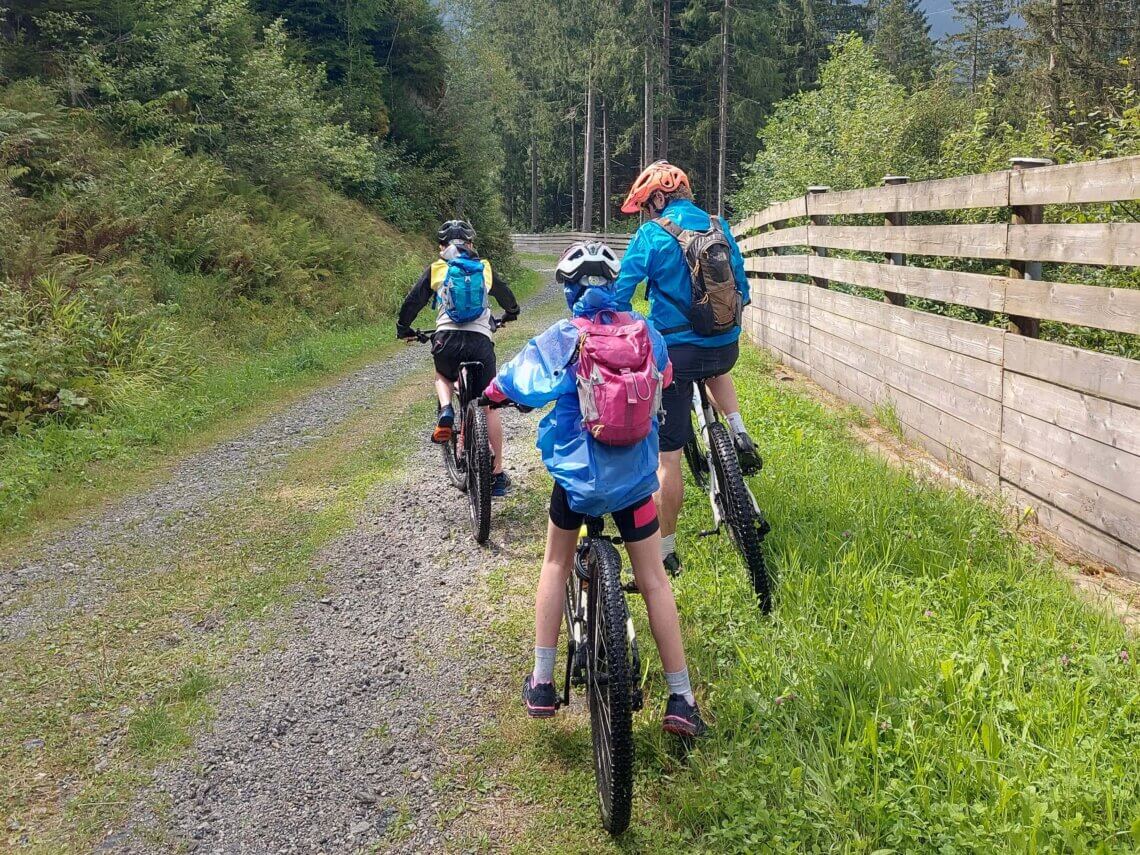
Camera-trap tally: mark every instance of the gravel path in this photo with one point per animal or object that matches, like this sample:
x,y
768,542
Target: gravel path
x,y
332,744
79,568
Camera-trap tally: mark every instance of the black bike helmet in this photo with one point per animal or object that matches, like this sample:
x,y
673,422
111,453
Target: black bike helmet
x,y
588,259
455,230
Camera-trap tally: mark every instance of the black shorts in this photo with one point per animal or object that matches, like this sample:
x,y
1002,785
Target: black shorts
x,y
637,522
452,347
690,363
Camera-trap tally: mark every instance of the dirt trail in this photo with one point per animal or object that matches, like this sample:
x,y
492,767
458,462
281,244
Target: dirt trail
x,y
335,742
77,569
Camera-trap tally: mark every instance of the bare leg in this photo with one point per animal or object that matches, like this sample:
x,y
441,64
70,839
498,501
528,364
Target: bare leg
x,y
723,394
443,388
556,566
649,572
495,436
671,493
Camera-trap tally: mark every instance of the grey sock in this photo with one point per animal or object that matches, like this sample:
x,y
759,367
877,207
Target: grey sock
x,y
679,685
544,664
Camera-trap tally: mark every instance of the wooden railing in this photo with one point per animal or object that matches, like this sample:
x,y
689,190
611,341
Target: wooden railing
x,y
553,243
1055,428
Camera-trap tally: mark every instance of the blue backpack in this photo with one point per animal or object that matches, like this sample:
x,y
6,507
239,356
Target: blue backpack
x,y
463,292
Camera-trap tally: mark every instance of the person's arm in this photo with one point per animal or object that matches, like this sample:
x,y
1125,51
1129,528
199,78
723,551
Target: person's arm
x,y
414,303
504,296
634,270
541,371
660,354
737,264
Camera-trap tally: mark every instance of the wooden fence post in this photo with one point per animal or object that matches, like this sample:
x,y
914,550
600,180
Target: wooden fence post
x,y
895,258
1027,215
818,220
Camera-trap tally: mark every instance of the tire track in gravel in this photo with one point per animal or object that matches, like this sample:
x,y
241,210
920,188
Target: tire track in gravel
x,y
335,742
79,568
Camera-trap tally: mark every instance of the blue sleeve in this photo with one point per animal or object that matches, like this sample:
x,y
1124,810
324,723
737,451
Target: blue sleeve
x,y
541,371
737,264
634,270
660,348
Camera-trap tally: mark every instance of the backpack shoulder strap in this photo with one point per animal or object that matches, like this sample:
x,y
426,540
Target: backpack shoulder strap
x,y
671,227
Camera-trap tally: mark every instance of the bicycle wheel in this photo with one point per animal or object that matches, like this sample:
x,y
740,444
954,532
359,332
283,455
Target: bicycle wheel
x,y
453,462
698,465
478,454
608,688
743,521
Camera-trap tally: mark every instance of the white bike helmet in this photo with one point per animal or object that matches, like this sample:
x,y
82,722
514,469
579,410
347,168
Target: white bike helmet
x,y
592,260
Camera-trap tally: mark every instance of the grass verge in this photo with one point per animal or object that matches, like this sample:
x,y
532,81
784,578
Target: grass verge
x,y
927,683
48,474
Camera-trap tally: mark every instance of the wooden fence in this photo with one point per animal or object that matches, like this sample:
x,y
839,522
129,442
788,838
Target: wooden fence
x,y
553,243
1053,427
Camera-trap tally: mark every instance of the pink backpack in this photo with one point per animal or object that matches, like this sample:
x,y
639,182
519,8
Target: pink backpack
x,y
619,386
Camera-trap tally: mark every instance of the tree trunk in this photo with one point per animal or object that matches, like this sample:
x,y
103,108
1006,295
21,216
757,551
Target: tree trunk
x,y
1054,62
533,187
605,167
573,174
723,110
647,94
588,161
666,31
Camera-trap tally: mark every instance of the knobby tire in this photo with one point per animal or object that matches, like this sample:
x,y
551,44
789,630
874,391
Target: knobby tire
x,y
478,455
609,688
739,513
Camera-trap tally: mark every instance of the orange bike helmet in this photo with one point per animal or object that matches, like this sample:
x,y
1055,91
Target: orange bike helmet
x,y
662,176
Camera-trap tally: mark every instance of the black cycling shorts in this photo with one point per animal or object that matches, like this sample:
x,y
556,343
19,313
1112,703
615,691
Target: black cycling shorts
x,y
450,348
690,363
635,523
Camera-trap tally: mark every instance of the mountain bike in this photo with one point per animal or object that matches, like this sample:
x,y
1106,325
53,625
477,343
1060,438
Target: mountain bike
x,y
467,456
602,656
712,459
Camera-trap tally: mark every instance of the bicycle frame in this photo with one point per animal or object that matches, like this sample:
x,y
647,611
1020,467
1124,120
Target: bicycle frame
x,y
706,414
578,590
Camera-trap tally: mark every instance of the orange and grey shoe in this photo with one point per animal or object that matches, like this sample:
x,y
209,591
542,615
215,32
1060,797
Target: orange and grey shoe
x,y
539,699
444,426
683,718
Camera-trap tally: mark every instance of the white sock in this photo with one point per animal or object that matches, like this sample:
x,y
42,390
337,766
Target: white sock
x,y
544,664
736,423
679,685
668,545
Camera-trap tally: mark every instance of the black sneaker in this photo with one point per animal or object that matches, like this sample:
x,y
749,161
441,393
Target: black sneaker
x,y
750,460
673,565
540,701
500,485
683,718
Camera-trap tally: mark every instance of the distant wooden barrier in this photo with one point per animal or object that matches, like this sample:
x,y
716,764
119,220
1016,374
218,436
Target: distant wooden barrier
x,y
554,243
1054,428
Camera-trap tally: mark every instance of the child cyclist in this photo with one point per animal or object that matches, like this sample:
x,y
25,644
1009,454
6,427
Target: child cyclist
x,y
593,477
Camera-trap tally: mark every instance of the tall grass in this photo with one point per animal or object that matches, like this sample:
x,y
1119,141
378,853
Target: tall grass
x,y
928,683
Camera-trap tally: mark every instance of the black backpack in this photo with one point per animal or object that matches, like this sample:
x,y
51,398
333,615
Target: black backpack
x,y
716,305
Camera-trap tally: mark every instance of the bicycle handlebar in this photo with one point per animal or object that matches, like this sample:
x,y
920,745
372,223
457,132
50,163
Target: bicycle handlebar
x,y
425,336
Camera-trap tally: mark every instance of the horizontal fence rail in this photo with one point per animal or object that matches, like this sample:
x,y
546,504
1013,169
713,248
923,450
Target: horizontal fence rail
x,y
554,243
1054,428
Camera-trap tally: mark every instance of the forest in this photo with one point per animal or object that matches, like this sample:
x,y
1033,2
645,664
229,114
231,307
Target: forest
x,y
188,185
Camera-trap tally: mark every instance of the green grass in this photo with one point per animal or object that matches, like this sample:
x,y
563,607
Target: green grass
x,y
49,472
927,682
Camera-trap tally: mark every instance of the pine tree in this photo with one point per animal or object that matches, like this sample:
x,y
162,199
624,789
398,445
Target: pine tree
x,y
987,44
900,37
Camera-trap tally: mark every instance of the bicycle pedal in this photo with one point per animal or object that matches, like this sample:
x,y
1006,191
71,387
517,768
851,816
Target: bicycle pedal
x,y
630,588
636,700
709,533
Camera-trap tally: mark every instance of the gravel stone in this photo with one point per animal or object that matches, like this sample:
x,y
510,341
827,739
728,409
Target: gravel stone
x,y
328,740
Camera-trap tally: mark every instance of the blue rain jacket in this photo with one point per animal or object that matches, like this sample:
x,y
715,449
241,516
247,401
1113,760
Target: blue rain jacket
x,y
598,479
655,257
